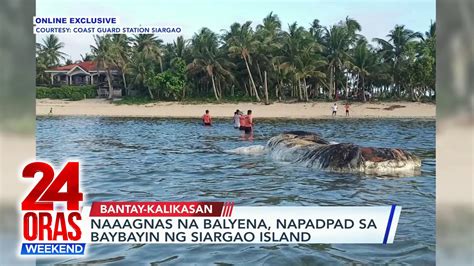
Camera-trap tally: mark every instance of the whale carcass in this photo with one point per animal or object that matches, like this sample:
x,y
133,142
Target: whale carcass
x,y
311,150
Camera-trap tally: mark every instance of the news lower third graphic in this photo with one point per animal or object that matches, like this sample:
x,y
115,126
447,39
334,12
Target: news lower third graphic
x,y
51,229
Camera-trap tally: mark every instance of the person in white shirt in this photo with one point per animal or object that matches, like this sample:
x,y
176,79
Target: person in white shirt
x,y
237,119
334,109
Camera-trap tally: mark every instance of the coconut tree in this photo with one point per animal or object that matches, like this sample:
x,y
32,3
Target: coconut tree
x,y
179,51
352,27
428,51
431,33
393,51
310,67
418,73
104,57
121,50
241,42
299,57
50,49
86,57
364,61
317,31
336,41
139,70
180,47
150,46
208,59
41,67
48,54
268,36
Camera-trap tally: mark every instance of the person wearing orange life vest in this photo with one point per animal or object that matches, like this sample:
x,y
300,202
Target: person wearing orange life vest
x,y
206,119
248,122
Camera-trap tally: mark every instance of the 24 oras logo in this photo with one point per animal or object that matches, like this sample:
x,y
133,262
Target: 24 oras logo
x,y
47,231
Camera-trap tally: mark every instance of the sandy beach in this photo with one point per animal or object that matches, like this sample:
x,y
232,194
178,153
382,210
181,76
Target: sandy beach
x,y
311,110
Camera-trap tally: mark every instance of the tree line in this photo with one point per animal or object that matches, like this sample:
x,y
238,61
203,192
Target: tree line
x,y
265,63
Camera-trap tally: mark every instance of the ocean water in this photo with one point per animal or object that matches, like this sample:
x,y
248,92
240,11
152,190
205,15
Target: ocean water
x,y
138,159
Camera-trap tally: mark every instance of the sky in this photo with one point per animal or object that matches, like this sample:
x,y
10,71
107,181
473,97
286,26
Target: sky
x,y
377,17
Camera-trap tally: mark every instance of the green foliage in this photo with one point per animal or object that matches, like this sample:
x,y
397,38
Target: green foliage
x,y
48,54
170,83
300,63
49,49
73,93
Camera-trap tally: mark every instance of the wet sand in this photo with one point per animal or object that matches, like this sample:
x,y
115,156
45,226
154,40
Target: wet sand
x,y
311,110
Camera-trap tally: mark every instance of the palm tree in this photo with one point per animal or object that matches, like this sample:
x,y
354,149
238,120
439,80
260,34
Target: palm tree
x,y
431,34
309,68
179,51
179,47
208,59
336,41
428,41
364,61
299,57
87,57
241,42
150,46
51,50
398,41
41,67
268,36
428,44
353,27
121,51
317,31
139,69
104,56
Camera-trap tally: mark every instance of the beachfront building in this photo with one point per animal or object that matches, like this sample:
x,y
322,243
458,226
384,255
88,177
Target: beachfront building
x,y
85,73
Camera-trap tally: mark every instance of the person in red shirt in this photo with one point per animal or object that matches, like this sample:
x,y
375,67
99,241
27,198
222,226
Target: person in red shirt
x,y
248,122
206,119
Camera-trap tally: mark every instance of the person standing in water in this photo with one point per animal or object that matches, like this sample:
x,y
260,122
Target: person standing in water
x,y
334,109
248,125
206,119
241,120
347,108
237,119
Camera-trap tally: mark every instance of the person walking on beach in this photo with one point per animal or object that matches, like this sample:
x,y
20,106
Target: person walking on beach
x,y
237,119
347,108
206,119
334,109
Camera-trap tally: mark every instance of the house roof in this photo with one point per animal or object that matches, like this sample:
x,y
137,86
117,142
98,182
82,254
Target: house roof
x,y
86,66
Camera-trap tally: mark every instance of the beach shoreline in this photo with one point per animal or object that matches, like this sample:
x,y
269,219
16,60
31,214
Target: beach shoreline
x,y
309,110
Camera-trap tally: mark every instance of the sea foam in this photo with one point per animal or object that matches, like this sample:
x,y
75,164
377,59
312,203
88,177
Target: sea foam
x,y
248,150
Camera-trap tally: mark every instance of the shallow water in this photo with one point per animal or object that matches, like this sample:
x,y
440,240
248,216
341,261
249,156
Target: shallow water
x,y
179,160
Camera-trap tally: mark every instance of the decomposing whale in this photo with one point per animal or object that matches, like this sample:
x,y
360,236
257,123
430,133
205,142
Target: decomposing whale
x,y
311,150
